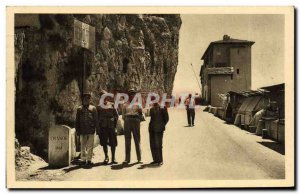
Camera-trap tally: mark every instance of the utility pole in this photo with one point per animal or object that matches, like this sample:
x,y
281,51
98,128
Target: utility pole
x,y
83,71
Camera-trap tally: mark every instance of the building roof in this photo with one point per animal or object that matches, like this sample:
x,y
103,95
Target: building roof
x,y
247,93
252,104
260,91
226,40
274,88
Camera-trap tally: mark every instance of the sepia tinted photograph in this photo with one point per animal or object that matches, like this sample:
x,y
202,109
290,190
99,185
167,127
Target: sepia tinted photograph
x,y
150,97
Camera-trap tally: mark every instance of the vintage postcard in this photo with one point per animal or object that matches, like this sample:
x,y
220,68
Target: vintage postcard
x,y
150,97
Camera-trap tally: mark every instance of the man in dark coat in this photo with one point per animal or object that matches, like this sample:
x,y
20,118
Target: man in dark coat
x,y
86,125
159,119
108,118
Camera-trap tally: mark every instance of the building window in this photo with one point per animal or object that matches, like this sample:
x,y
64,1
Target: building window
x,y
125,65
238,71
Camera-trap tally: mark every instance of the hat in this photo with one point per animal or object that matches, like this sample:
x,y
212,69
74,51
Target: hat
x,y
86,94
131,91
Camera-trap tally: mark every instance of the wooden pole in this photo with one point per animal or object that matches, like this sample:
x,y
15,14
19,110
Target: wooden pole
x,y
83,84
84,72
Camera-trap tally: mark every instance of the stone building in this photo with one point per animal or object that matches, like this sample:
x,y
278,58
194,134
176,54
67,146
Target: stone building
x,y
226,67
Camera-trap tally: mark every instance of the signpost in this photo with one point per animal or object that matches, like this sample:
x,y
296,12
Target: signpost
x,y
84,37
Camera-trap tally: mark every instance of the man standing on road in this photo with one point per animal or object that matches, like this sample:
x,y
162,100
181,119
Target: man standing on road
x,y
132,115
159,119
190,110
86,125
108,118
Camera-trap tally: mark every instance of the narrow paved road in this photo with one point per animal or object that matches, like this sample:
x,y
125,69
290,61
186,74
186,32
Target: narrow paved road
x,y
212,150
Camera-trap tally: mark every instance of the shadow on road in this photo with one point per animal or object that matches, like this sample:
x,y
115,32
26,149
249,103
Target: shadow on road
x,y
74,163
277,147
148,166
78,166
121,166
50,168
100,164
72,168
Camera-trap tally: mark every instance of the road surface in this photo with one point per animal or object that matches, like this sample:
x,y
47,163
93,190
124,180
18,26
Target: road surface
x,y
211,150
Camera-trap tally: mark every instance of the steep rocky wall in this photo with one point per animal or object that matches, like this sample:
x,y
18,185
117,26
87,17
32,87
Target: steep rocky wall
x,y
139,51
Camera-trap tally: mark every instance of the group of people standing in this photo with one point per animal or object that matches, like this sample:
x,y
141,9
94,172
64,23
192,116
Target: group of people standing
x,y
103,121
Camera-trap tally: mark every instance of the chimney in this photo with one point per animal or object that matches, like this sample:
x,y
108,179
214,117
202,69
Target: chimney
x,y
226,37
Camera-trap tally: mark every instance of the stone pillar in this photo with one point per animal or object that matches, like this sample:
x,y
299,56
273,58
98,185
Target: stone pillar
x,y
60,149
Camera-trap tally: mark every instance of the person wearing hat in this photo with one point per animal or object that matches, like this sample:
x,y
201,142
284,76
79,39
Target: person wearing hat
x,y
132,115
86,125
159,119
108,118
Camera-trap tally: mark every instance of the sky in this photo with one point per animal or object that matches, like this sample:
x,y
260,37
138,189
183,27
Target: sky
x,y
197,31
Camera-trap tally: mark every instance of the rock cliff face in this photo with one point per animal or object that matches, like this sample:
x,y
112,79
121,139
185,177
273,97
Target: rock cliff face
x,y
137,51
